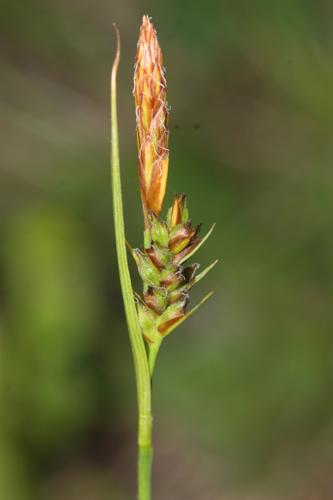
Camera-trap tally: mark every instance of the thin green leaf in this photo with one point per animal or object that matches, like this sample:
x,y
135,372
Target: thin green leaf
x,y
203,273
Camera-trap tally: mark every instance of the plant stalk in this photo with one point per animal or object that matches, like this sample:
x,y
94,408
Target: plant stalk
x,y
142,373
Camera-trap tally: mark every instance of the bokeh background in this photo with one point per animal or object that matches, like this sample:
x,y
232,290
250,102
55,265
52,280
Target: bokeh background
x,y
243,390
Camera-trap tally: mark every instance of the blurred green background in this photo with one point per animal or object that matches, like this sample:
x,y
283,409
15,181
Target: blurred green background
x,y
243,390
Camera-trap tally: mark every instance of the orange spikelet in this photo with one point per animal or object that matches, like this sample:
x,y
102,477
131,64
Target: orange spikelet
x,y
151,119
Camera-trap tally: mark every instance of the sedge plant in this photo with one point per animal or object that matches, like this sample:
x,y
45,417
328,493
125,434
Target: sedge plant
x,y
168,242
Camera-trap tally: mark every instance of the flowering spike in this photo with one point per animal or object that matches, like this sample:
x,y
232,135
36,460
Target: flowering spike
x,y
151,119
167,282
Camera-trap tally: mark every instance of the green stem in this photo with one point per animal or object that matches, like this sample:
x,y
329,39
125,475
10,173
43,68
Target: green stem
x,y
153,351
144,472
142,374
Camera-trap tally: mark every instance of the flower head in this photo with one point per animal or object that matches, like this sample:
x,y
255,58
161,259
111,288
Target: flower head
x,y
151,119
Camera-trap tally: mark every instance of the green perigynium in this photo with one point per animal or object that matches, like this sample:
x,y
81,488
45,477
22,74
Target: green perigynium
x,y
167,279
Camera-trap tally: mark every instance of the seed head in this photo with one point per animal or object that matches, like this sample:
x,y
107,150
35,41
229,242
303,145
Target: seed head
x,y
151,119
